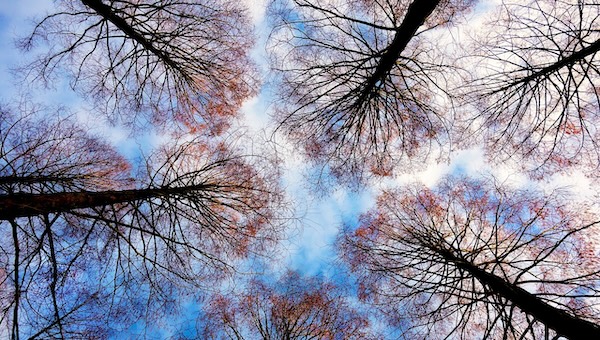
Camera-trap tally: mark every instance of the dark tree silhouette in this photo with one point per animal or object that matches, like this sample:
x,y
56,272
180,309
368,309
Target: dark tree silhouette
x,y
538,88
471,259
180,60
84,246
93,243
41,286
361,81
295,307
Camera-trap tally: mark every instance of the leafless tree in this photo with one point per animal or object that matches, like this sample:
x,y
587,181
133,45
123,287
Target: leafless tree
x,y
84,245
295,307
362,81
539,75
180,60
48,156
471,259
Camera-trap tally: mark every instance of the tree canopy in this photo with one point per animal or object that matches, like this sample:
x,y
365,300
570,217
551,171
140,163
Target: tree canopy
x,y
189,225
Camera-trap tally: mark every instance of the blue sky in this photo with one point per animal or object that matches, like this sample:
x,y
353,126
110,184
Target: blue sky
x,y
308,243
308,246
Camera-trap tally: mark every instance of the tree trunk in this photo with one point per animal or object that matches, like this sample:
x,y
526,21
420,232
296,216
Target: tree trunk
x,y
416,14
25,205
107,13
543,72
554,318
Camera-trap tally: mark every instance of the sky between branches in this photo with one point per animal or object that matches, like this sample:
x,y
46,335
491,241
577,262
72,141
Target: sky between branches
x,y
308,246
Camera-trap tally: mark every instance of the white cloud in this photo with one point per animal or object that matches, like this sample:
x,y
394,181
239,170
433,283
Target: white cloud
x,y
256,10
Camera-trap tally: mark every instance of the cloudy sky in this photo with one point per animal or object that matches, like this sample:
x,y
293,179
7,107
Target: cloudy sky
x,y
308,246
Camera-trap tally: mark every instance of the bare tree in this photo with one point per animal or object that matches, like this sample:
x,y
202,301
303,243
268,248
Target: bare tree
x,y
471,259
180,60
295,307
90,245
362,82
538,83
83,245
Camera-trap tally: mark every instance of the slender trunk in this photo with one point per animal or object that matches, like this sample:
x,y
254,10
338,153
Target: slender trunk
x,y
554,318
108,13
24,205
17,281
545,71
54,281
416,14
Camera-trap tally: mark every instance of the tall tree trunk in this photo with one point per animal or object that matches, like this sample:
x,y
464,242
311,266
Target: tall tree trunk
x,y
545,71
108,13
416,14
25,205
559,320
